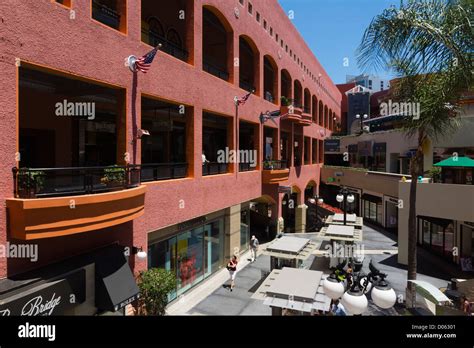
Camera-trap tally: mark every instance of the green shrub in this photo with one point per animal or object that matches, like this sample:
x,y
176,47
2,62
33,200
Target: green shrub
x,y
155,284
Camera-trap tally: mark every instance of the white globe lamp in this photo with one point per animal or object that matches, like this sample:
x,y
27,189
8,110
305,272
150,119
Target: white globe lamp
x,y
332,287
355,301
350,198
339,198
383,295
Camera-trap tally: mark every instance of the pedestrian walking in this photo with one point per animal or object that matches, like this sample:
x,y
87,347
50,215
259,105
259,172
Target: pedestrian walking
x,y
232,268
254,244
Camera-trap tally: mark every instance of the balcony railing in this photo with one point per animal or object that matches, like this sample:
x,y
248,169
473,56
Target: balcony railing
x,y
275,165
167,46
298,105
269,96
215,70
213,168
57,182
246,86
105,15
163,171
246,167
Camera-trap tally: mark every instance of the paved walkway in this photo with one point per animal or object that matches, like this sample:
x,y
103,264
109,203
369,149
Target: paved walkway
x,y
211,298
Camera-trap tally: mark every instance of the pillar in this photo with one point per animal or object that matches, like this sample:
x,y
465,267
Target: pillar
x,y
300,217
232,231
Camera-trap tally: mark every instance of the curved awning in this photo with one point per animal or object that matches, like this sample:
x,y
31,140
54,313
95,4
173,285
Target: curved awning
x,y
430,292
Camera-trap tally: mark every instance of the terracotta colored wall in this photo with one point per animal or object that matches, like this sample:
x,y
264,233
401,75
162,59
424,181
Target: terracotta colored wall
x,y
42,32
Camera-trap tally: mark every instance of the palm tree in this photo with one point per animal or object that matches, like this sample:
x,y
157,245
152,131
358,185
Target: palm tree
x,y
429,45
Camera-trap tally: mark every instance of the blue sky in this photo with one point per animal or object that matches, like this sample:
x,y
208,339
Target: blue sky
x,y
333,30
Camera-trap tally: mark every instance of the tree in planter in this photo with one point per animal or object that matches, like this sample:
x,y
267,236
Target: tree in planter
x,y
428,43
113,175
155,284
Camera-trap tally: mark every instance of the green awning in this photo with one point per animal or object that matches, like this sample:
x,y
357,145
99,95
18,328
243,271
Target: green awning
x,y
456,162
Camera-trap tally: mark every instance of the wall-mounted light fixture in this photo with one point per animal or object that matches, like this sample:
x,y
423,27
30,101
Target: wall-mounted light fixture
x,y
142,255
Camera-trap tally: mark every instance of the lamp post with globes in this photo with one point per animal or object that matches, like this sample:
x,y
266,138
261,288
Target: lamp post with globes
x,y
361,118
343,197
316,200
354,299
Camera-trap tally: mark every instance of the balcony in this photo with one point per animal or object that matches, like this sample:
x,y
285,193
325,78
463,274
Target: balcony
x,y
152,38
53,202
275,172
105,15
215,70
214,168
247,86
163,171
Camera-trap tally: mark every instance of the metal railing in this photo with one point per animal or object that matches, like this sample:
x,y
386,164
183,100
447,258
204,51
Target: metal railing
x,y
275,165
163,171
105,15
297,105
215,70
269,96
246,167
57,182
246,86
166,46
213,168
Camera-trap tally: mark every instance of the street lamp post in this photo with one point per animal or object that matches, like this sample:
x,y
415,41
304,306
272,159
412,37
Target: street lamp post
x,y
354,299
343,196
365,116
316,200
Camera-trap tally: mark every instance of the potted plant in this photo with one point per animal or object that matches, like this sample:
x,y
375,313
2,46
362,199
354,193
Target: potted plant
x,y
268,164
113,175
31,181
155,284
286,104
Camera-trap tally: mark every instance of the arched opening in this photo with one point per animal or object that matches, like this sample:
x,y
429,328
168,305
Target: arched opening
x,y
270,79
330,120
162,23
217,45
326,117
288,209
307,101
248,65
312,222
314,109
320,114
286,87
298,102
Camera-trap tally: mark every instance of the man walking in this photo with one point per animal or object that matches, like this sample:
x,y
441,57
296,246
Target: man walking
x,y
253,248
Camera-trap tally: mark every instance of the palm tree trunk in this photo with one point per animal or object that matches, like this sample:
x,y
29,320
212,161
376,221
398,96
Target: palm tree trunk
x,y
416,169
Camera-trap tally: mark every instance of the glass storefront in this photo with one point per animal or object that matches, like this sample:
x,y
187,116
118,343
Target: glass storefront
x,y
191,255
372,209
437,235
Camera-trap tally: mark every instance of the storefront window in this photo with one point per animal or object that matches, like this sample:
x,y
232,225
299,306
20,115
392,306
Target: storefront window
x,y
191,255
437,236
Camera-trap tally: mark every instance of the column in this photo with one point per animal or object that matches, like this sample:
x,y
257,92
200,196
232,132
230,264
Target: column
x,y
300,225
232,231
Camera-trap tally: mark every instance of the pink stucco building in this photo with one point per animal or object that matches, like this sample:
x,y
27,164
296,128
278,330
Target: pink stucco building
x,y
190,216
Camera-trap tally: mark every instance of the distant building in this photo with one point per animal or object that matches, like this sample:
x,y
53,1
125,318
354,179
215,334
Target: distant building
x,y
372,82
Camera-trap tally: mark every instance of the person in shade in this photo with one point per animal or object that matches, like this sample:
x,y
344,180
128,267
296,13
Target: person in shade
x,y
254,244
